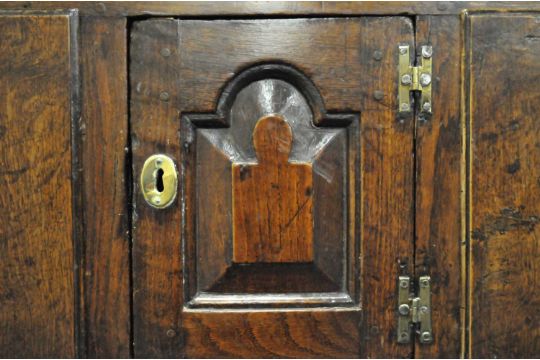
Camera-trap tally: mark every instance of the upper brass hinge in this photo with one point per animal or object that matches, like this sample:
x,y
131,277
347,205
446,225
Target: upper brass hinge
x,y
414,312
415,78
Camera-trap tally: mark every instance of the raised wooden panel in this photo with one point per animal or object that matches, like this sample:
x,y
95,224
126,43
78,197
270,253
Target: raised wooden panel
x,y
272,200
276,169
37,84
504,155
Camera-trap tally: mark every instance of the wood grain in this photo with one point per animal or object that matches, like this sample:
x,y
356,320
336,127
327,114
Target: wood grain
x,y
263,334
504,184
37,314
438,188
209,152
272,200
270,8
212,54
214,226
272,278
387,184
352,62
157,251
222,48
104,140
347,74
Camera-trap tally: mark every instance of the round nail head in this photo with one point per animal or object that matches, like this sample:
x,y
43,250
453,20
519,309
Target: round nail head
x,y
425,79
426,336
165,52
378,95
404,309
164,96
377,55
406,79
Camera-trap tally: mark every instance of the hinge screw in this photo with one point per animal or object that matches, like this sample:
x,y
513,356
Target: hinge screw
x,y
405,107
404,309
427,51
425,79
425,283
423,309
404,283
404,335
426,337
406,79
427,106
403,49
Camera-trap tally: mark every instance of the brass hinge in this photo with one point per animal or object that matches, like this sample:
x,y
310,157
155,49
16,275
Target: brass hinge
x,y
415,78
414,312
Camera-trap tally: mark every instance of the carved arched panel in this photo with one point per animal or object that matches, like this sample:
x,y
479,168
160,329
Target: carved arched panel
x,y
269,193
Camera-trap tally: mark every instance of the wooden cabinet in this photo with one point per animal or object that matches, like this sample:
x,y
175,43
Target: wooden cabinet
x,y
304,190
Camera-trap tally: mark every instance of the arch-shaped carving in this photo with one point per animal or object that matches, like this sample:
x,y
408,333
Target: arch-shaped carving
x,y
304,200
283,72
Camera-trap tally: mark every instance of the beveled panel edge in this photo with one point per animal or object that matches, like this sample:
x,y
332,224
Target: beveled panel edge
x,y
291,301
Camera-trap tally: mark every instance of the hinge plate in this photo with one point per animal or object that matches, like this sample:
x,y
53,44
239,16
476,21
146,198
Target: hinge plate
x,y
415,78
414,312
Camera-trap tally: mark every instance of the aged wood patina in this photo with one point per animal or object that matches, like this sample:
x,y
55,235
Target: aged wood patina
x,y
305,192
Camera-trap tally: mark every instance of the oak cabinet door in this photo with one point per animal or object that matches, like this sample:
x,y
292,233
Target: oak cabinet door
x,y
294,212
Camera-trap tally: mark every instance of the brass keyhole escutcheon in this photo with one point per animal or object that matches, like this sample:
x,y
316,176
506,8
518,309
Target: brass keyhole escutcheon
x,y
159,181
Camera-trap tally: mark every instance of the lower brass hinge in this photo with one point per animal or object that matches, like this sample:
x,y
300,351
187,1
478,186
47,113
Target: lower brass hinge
x,y
416,79
414,312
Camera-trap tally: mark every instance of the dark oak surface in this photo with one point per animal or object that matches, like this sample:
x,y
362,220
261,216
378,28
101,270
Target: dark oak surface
x,y
37,293
264,334
320,153
347,75
387,147
455,196
157,251
504,185
438,246
280,193
219,58
104,128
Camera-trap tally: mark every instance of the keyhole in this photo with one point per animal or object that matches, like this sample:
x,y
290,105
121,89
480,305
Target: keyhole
x,y
159,180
